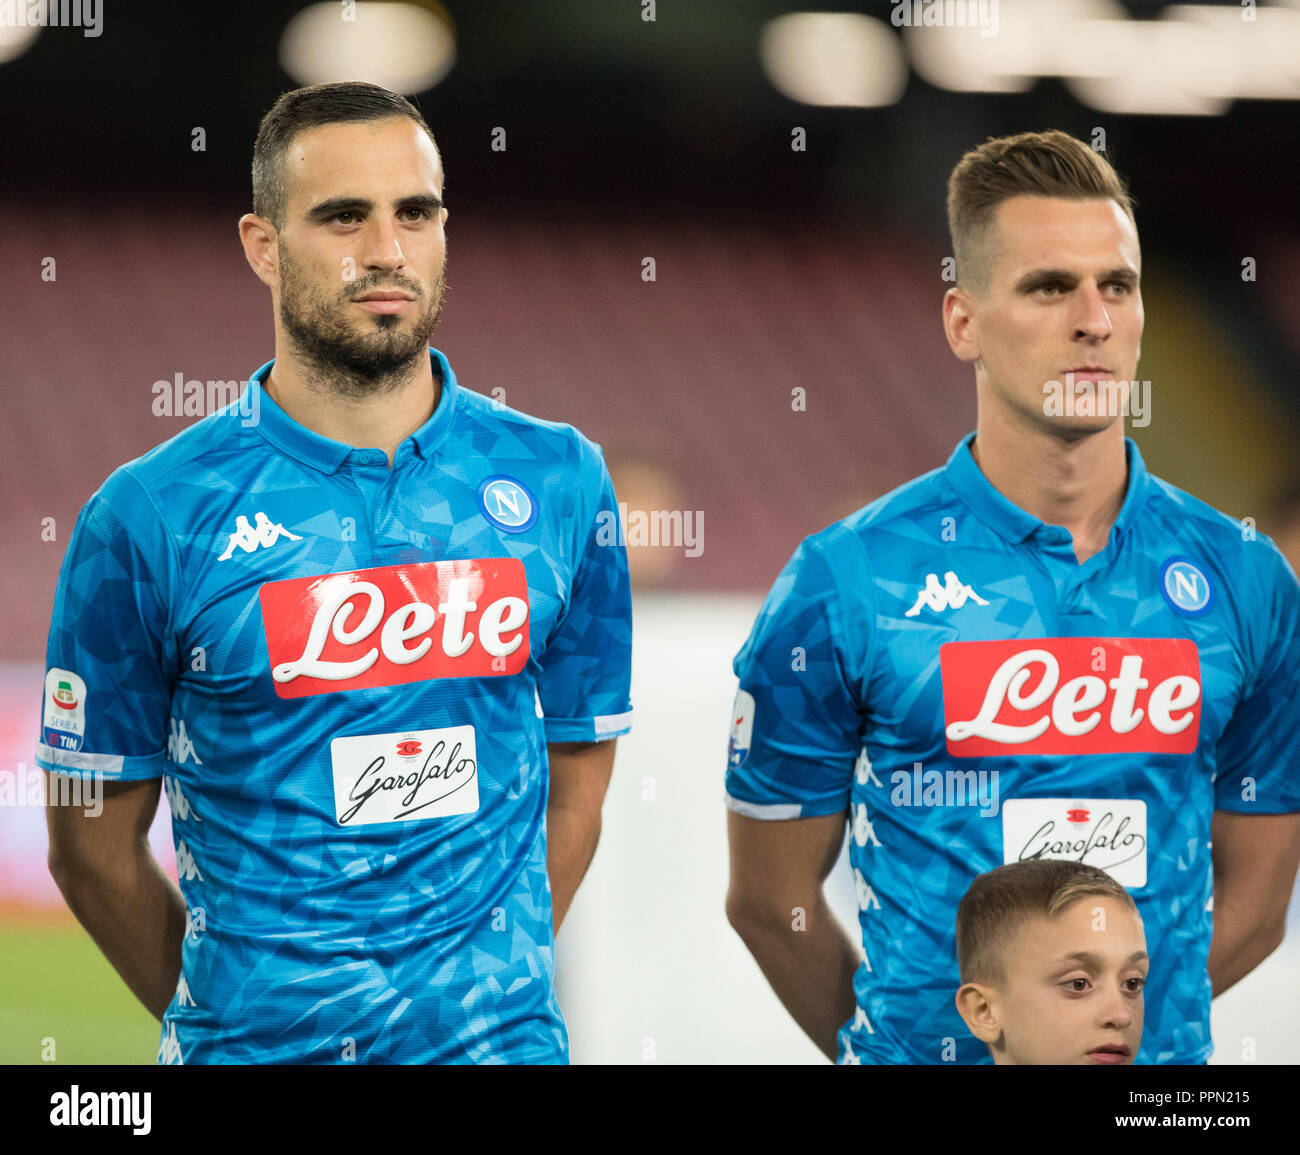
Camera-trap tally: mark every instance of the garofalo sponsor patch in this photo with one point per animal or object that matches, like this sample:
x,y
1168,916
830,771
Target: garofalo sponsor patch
x,y
396,624
1071,696
404,775
1108,833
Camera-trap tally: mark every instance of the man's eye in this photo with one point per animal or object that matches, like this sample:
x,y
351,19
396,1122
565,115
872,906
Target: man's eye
x,y
1049,290
1135,985
423,214
345,213
1075,986
1122,286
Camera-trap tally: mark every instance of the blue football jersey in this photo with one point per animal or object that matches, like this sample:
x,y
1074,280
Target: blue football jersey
x,y
941,667
346,676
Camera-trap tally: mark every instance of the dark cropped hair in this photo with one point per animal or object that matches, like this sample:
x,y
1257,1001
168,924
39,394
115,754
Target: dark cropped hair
x,y
309,107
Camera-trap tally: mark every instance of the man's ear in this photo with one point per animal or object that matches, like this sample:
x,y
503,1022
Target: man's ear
x,y
259,238
978,1006
959,324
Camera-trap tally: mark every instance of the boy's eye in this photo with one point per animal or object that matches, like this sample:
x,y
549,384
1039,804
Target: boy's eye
x,y
1075,986
1135,986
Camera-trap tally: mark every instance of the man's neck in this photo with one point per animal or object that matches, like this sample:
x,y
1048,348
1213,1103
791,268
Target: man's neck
x,y
381,421
1077,483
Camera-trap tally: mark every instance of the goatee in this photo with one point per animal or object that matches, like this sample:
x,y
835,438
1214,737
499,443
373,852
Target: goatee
x,y
380,357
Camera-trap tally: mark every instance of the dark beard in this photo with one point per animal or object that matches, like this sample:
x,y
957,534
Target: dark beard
x,y
352,365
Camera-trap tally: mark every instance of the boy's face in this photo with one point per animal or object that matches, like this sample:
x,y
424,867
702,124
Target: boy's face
x,y
1073,989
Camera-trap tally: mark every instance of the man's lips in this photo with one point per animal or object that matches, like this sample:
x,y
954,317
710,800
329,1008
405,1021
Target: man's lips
x,y
384,301
1090,373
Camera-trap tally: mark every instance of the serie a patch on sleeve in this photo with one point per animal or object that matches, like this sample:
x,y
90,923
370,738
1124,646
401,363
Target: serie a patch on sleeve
x,y
64,722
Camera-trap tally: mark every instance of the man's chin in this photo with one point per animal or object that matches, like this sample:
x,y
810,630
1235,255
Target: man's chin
x,y
1078,428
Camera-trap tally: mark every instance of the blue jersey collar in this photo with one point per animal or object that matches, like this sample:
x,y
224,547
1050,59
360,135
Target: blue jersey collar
x,y
1012,522
325,453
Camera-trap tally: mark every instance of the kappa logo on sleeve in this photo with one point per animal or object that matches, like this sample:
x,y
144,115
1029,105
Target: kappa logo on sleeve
x,y
64,709
1071,696
396,624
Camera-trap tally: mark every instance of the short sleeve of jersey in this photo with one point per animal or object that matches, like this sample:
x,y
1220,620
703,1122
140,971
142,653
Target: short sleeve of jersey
x,y
110,657
796,728
586,671
1261,741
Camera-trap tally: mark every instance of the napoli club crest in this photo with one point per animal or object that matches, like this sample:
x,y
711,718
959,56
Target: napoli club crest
x,y
508,504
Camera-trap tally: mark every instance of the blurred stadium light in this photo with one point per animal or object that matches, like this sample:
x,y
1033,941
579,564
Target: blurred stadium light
x,y
1194,60
837,59
16,38
405,47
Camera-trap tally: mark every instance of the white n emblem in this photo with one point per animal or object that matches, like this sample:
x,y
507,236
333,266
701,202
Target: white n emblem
x,y
505,495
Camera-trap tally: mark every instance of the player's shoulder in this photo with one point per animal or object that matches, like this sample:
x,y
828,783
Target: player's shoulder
x,y
215,445
494,422
894,513
840,562
1231,544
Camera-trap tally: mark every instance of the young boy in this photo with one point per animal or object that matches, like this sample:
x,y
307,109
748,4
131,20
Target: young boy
x,y
1053,963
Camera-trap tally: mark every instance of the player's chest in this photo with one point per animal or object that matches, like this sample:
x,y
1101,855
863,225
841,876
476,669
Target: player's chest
x,y
1021,664
341,590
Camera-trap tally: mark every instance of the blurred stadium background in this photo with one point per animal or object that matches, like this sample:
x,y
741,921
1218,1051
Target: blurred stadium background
x,y
783,167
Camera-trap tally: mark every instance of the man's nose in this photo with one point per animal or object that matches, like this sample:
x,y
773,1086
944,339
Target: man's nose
x,y
1093,320
383,249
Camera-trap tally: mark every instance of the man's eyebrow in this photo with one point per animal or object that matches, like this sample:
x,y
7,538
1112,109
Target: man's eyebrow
x,y
1036,277
328,208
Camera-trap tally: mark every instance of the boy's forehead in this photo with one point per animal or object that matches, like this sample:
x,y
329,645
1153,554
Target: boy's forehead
x,y
1054,232
1094,924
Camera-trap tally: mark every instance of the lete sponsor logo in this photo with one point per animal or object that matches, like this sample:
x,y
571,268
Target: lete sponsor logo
x,y
396,624
1071,696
